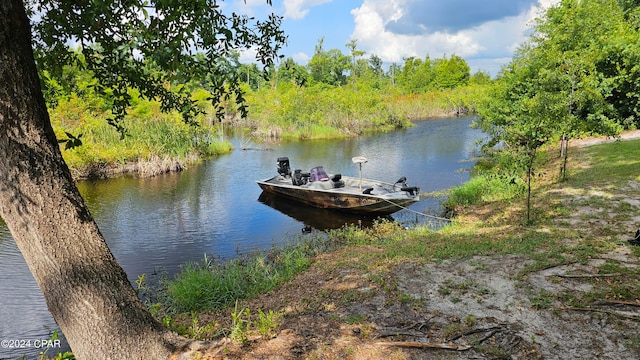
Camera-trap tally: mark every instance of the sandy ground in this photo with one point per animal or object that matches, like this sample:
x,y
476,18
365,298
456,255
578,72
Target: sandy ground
x,y
627,135
477,308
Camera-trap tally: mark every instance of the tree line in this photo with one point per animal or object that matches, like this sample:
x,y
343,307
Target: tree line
x,y
415,75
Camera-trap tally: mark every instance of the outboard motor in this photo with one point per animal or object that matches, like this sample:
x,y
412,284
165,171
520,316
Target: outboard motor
x,y
412,190
284,168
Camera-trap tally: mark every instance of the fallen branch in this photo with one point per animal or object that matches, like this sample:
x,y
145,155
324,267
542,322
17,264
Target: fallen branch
x,y
617,302
609,312
403,331
420,345
493,330
386,332
567,276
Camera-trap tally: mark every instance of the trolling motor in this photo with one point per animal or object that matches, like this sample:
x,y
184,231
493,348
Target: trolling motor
x,y
412,190
402,181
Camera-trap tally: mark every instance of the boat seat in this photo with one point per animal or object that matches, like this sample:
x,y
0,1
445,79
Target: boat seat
x,y
321,185
337,181
284,168
299,177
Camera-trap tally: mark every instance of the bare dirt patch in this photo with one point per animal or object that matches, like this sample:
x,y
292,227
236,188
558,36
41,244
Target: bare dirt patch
x,y
471,309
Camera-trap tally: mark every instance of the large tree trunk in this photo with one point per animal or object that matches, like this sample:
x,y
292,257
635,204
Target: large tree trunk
x,y
86,291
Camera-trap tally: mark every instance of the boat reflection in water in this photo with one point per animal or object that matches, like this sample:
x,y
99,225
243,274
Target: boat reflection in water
x,y
316,218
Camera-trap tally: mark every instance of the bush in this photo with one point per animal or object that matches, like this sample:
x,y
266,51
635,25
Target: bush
x,y
484,188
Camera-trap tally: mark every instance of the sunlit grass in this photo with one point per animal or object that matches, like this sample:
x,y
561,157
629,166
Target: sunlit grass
x,y
211,284
617,161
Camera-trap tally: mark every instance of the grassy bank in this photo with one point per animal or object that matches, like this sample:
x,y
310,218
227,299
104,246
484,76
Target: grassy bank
x,y
583,222
155,142
287,111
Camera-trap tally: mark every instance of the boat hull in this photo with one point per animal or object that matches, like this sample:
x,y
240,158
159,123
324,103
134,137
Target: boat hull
x,y
347,199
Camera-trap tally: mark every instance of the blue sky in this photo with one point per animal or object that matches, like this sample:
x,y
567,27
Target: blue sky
x,y
484,32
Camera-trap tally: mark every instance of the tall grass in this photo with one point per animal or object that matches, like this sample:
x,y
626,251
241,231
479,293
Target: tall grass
x,y
210,284
438,103
150,134
321,111
484,188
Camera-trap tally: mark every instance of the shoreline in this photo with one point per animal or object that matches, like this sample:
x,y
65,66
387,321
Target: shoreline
x,y
157,165
143,169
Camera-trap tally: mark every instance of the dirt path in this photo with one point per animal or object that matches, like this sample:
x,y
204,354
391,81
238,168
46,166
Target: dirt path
x,y
627,135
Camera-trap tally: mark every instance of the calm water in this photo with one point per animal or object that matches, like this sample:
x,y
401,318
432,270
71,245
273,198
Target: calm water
x,y
216,209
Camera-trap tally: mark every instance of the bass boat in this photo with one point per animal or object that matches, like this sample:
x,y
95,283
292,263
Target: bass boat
x,y
342,193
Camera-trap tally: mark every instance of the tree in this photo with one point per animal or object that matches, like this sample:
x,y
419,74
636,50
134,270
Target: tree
x,y
554,87
85,289
514,114
375,64
292,72
451,73
352,45
578,71
417,75
328,67
480,78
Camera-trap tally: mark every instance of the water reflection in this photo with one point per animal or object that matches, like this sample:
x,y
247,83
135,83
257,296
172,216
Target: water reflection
x,y
316,218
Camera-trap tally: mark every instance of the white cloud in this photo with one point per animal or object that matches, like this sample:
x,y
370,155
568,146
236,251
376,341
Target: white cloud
x,y
301,58
248,56
298,9
496,39
372,35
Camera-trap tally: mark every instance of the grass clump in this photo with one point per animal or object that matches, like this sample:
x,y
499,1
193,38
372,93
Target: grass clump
x,y
210,285
484,188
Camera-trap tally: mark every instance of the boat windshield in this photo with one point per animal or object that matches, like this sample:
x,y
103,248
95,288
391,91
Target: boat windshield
x,y
318,174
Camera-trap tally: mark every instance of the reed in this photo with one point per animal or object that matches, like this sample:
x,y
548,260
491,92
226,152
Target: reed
x,y
438,103
319,112
154,142
210,285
